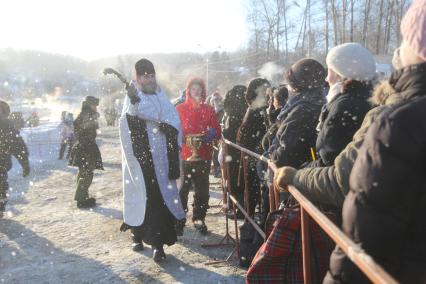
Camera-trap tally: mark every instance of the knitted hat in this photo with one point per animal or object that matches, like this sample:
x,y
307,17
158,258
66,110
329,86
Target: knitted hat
x,y
413,28
305,74
352,61
144,66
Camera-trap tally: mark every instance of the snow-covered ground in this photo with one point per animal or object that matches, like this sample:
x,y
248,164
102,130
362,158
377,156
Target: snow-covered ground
x,y
44,238
42,142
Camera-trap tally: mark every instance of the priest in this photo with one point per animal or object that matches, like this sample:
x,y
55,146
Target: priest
x,y
150,135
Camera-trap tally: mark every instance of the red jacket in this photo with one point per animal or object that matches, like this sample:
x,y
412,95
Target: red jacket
x,y
197,119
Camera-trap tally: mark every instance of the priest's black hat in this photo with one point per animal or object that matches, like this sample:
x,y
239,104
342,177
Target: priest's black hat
x,y
144,66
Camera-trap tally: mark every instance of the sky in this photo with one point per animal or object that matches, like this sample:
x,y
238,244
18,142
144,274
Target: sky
x,y
93,29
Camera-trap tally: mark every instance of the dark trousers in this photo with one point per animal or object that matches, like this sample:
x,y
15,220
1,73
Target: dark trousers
x,y
237,187
197,175
253,182
84,180
64,144
4,187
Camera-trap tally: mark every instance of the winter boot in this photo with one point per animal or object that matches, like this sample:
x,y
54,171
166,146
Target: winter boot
x,y
84,180
201,227
158,254
179,226
137,244
88,203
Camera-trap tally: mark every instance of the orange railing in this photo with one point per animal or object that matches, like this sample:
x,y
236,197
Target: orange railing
x,y
309,211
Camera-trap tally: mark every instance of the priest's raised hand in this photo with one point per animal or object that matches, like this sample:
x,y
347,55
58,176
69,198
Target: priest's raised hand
x,y
132,92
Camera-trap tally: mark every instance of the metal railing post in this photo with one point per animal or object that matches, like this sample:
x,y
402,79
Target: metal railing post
x,y
306,246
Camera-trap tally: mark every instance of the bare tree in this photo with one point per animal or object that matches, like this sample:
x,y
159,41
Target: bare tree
x,y
352,21
379,27
365,26
335,22
325,2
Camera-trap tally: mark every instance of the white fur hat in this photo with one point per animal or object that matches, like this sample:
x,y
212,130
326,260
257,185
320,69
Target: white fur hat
x,y
352,61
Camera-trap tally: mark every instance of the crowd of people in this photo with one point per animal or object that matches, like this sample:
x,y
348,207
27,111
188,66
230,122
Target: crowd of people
x,y
353,145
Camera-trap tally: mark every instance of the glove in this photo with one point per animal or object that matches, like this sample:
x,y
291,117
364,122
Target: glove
x,y
26,171
283,177
209,136
132,93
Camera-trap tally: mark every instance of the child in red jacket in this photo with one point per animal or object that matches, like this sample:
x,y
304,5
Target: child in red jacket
x,y
197,117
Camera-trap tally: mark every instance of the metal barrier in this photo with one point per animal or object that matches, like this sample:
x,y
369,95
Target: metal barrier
x,y
308,210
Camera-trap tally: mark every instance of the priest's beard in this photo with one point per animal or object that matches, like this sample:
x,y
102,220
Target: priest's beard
x,y
149,88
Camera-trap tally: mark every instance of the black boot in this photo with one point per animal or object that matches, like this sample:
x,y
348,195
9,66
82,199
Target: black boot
x,y
201,227
137,244
179,226
88,203
158,254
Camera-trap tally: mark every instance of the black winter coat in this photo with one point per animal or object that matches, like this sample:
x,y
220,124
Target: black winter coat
x,y
268,138
385,209
252,129
235,108
339,120
85,152
11,144
296,134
